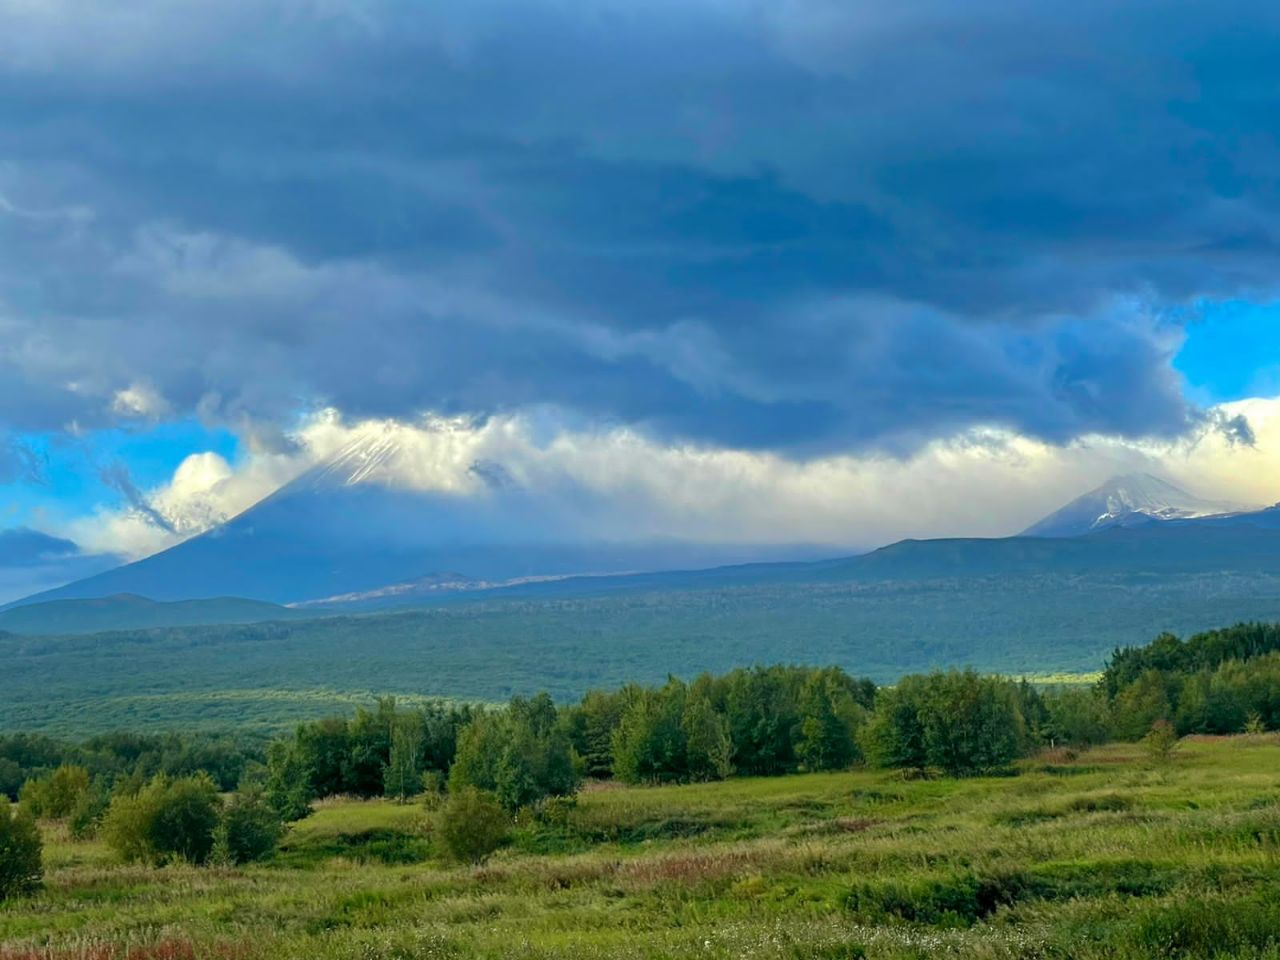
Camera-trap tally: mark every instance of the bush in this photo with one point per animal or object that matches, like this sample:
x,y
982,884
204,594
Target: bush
x,y
86,816
472,825
434,784
249,829
20,848
1161,742
952,900
56,794
165,820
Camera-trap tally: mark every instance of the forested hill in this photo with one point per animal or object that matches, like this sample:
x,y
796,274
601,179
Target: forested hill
x,y
1199,548
275,673
130,612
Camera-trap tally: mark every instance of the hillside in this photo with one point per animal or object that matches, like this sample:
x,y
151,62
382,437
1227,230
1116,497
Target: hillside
x,y
272,674
130,612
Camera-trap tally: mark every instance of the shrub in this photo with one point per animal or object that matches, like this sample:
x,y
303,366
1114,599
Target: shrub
x,y
55,794
472,825
950,900
86,816
165,820
249,829
434,784
20,848
1161,742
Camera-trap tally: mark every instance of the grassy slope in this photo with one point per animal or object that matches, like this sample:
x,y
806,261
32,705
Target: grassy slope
x,y
274,674
1101,857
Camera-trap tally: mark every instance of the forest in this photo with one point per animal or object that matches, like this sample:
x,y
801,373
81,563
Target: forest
x,y
759,721
269,676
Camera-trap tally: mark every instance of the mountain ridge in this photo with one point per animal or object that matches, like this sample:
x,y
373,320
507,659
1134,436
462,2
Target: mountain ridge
x,y
128,611
1126,500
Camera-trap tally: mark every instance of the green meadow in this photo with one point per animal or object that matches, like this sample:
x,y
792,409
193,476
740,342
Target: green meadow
x,y
1101,854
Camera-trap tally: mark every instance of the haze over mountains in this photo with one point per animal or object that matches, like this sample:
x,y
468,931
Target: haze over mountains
x,y
345,530
424,622
342,539
1128,500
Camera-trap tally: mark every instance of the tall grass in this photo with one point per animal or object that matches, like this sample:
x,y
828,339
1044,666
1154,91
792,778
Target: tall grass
x,y
1100,856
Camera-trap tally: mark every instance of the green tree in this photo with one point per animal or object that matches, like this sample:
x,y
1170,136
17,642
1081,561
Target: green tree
x,y
521,754
168,819
591,726
894,736
959,722
1078,717
708,745
289,780
972,724
1161,742
829,717
89,810
12,776
1142,703
403,775
650,744
324,751
762,707
368,747
20,851
56,794
249,828
1193,714
472,824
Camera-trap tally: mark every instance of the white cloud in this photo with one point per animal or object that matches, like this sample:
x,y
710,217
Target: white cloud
x,y
139,400
618,484
204,491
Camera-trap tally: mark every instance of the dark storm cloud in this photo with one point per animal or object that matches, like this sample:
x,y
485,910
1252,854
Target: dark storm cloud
x,y
31,561
22,547
798,224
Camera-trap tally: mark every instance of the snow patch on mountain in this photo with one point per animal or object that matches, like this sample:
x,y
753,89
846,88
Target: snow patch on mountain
x,y
1128,500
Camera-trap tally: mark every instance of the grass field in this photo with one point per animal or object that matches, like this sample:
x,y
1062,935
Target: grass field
x,y
1101,855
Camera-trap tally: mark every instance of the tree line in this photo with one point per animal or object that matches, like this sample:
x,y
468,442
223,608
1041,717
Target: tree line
x,y
1217,682
111,756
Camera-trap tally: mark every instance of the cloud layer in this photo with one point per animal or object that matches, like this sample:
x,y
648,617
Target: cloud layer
x,y
619,485
802,227
31,561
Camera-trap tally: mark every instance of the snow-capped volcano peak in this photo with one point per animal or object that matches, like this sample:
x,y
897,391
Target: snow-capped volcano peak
x,y
1126,500
422,461
371,456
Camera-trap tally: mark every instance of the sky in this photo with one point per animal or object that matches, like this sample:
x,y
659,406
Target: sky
x,y
845,271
